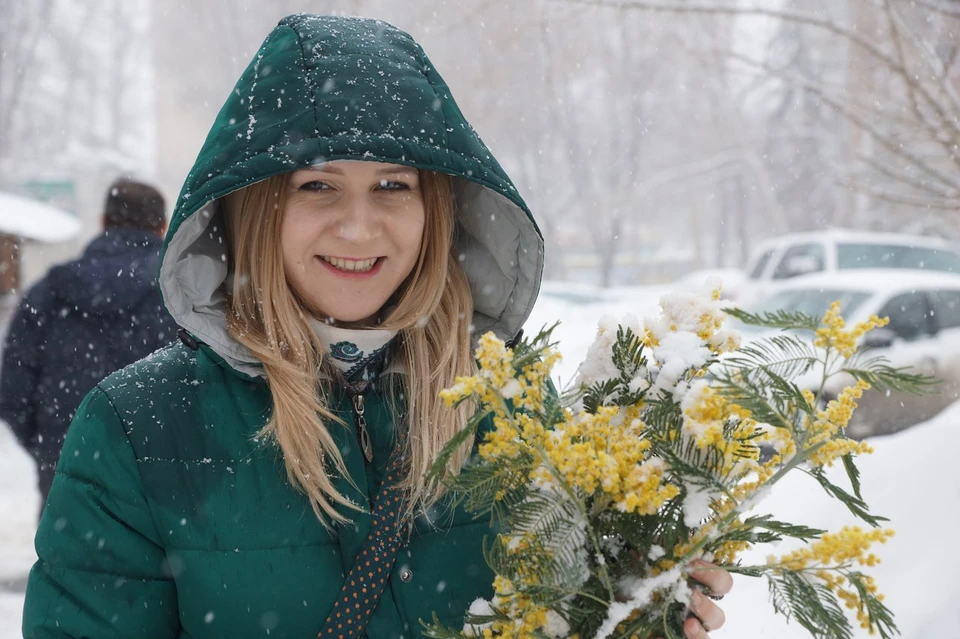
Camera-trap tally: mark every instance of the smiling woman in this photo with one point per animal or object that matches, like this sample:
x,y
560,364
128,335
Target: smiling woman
x,y
327,266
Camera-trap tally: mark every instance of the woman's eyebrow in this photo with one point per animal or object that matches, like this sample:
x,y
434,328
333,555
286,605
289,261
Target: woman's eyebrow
x,y
323,169
387,170
396,169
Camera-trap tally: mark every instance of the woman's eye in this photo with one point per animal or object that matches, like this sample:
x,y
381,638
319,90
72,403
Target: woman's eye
x,y
315,185
389,185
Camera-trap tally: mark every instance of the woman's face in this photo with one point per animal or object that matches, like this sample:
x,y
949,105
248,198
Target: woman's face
x,y
350,235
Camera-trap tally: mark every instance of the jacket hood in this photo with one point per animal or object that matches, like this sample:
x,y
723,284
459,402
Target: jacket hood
x,y
325,88
116,271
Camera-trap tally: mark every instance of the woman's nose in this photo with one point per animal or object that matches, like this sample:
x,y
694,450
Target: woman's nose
x,y
359,222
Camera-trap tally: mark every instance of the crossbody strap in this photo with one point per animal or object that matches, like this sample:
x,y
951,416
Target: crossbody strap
x,y
366,580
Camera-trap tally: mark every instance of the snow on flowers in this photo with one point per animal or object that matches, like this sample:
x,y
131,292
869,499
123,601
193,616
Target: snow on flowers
x,y
657,456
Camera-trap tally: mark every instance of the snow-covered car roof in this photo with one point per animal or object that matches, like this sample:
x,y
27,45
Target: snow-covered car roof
x,y
859,237
874,280
35,220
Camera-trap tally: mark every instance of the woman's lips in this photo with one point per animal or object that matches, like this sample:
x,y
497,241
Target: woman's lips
x,y
351,268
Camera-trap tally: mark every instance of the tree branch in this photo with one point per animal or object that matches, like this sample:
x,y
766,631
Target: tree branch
x,y
948,143
791,16
895,147
904,178
28,53
938,7
939,69
899,198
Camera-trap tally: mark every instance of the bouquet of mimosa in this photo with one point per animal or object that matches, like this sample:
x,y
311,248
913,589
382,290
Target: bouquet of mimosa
x,y
658,455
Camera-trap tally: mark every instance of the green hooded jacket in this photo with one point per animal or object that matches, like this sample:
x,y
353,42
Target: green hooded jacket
x,y
166,518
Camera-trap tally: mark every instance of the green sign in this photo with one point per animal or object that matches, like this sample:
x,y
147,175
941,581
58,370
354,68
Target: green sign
x,y
59,193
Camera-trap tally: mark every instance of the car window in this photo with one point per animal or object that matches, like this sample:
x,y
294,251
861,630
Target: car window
x,y
851,255
909,316
761,265
946,309
800,260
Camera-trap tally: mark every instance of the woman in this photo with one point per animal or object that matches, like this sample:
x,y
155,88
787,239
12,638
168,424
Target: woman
x,y
342,217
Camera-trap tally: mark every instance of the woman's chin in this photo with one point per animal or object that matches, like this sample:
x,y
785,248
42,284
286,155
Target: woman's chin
x,y
360,319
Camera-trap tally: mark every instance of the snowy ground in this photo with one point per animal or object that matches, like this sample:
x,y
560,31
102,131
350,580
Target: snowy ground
x,y
913,479
19,502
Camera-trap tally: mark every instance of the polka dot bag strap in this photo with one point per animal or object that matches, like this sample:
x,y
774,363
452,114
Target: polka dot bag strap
x,y
367,578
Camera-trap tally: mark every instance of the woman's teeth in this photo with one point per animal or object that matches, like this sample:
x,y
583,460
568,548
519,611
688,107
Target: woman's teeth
x,y
358,266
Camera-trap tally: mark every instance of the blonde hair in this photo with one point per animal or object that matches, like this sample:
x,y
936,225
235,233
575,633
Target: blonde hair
x,y
432,316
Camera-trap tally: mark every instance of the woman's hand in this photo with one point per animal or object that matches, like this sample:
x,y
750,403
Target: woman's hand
x,y
707,614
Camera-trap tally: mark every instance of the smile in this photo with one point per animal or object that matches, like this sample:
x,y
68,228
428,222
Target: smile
x,y
356,266
345,267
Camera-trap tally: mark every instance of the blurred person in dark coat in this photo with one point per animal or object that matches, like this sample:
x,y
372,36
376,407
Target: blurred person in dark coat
x,y
82,321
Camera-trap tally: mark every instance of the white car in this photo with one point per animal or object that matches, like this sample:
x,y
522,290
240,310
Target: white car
x,y
923,334
778,260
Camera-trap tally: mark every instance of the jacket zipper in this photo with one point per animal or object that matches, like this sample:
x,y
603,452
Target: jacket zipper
x,y
365,442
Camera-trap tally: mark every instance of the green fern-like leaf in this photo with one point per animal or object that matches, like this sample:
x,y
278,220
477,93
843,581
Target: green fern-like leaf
x,y
813,606
555,521
598,395
553,579
854,503
646,626
778,598
692,465
770,398
787,356
763,529
491,488
528,351
881,376
661,415
673,619
795,531
881,618
630,361
787,393
437,630
628,353
440,467
853,473
783,320
588,611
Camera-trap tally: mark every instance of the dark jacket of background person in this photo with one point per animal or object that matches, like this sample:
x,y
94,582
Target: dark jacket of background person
x,y
82,321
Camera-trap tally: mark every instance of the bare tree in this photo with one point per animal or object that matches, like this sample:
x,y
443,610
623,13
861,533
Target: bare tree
x,y
905,114
606,107
20,33
79,70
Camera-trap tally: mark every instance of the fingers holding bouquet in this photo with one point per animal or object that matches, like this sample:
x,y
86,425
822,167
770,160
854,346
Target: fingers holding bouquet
x,y
706,614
